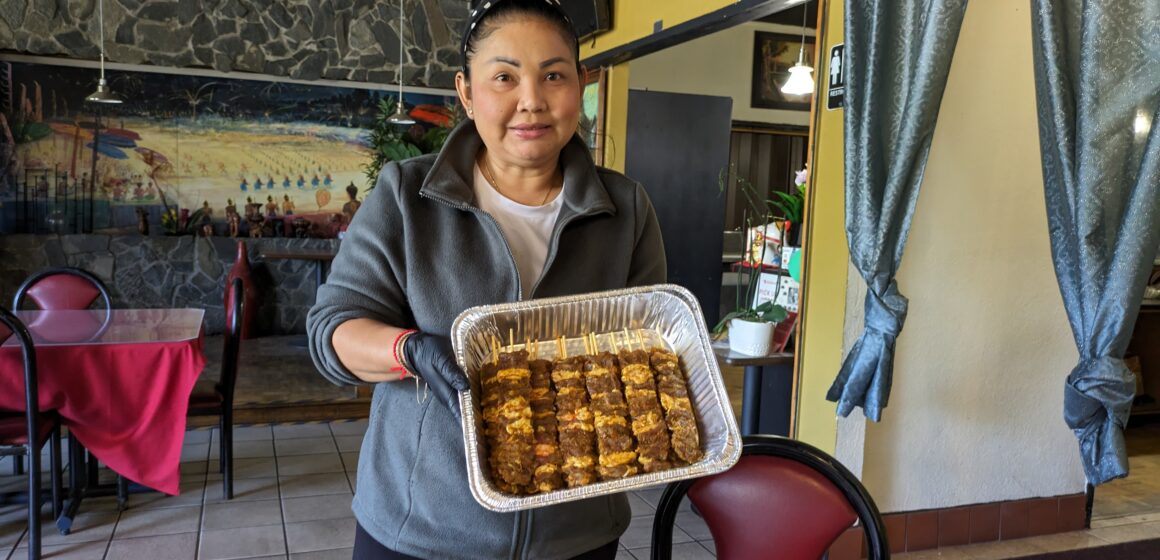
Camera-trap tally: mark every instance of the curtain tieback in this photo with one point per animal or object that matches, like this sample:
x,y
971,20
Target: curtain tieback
x,y
886,313
1092,383
1096,403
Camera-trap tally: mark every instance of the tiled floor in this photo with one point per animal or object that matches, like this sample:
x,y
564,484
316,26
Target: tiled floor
x,y
1139,493
292,491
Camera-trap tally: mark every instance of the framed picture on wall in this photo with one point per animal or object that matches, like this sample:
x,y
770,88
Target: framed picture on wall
x,y
773,55
592,114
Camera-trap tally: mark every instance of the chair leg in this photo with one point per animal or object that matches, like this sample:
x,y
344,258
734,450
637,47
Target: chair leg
x,y
122,493
34,502
17,465
227,428
55,464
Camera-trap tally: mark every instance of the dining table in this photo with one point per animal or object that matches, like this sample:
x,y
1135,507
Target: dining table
x,y
120,379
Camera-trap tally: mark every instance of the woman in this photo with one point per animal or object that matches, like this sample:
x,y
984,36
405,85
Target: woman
x,y
512,208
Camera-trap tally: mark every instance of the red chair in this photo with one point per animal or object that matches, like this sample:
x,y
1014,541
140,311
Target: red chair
x,y
62,288
784,499
25,433
219,401
68,288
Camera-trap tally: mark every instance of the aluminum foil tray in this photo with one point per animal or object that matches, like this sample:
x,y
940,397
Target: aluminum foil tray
x,y
665,314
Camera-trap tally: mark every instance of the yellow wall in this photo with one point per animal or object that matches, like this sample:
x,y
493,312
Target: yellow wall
x,y
634,19
826,255
616,117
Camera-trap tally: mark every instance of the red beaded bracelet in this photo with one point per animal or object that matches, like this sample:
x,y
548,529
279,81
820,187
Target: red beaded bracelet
x,y
401,368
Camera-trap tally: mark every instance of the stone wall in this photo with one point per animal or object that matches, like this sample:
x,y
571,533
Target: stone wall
x,y
353,40
186,271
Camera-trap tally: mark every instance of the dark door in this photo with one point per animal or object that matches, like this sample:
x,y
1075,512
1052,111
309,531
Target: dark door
x,y
677,146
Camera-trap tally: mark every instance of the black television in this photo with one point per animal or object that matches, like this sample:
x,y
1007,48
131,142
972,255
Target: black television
x,y
591,17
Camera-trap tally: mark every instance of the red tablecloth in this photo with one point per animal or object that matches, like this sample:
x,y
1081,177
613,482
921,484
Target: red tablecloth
x,y
124,397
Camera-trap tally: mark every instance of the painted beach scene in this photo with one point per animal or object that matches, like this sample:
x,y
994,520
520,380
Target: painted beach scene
x,y
181,142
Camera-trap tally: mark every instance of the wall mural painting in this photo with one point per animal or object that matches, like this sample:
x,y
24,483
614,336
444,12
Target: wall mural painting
x,y
183,148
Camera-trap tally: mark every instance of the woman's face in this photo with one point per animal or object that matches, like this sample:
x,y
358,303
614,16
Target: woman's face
x,y
524,93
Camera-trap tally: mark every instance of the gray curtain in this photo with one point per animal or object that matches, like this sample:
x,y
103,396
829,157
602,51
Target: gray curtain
x,y
898,56
1097,80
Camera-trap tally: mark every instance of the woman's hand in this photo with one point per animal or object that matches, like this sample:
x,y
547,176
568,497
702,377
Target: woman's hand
x,y
431,358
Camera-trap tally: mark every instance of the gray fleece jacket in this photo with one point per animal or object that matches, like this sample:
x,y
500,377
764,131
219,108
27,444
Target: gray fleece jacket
x,y
420,252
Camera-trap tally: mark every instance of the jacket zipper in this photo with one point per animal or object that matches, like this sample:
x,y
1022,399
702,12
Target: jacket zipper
x,y
521,529
553,248
506,244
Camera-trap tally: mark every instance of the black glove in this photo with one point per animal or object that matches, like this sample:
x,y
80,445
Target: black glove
x,y
430,357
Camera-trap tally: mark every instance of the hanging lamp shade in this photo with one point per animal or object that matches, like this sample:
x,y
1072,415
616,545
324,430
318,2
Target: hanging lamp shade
x,y
800,82
103,93
801,77
401,117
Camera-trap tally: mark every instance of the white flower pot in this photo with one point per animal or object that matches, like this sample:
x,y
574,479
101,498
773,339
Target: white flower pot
x,y
750,338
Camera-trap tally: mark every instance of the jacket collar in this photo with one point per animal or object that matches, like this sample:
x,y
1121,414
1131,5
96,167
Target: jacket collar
x,y
452,174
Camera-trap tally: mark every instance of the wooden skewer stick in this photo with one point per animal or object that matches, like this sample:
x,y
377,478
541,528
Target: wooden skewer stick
x,y
628,339
512,338
612,343
494,351
640,339
562,347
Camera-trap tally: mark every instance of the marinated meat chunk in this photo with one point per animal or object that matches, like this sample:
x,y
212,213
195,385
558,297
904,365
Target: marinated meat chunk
x,y
648,422
610,412
674,396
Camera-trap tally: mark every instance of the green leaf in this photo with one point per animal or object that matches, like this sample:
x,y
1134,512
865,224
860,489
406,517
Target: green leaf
x,y
776,314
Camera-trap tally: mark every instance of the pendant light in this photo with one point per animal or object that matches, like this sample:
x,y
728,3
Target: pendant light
x,y
400,117
103,93
801,79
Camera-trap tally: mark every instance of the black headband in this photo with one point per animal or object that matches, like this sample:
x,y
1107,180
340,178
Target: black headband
x,y
479,12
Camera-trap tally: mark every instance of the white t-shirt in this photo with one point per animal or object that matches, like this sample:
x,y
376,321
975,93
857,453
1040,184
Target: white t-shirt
x,y
528,229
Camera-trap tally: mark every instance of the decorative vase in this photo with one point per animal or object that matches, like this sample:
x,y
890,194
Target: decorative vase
x,y
750,337
241,269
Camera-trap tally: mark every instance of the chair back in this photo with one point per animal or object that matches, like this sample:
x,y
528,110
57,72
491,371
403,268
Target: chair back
x,y
231,347
783,499
10,325
62,288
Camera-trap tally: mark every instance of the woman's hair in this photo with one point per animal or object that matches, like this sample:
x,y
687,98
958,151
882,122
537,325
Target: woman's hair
x,y
487,15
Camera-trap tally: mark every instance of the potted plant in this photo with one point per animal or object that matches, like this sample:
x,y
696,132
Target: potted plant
x,y
751,326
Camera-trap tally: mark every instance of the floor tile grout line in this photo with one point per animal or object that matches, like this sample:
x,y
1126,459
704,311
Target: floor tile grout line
x,y
109,542
204,489
281,504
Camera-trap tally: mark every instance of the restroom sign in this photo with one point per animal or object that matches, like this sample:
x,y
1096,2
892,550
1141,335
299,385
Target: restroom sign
x,y
837,68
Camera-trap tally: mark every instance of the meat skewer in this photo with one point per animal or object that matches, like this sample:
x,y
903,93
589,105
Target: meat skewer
x,y
512,458
674,397
648,422
576,430
547,475
489,404
617,449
